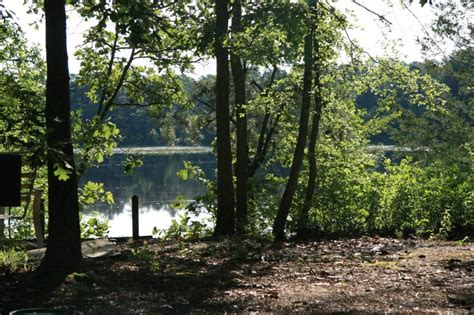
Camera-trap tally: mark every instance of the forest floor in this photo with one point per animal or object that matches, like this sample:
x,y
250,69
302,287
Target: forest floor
x,y
362,276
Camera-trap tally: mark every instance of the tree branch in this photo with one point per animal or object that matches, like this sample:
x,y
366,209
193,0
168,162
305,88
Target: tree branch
x,y
381,17
424,29
109,72
119,85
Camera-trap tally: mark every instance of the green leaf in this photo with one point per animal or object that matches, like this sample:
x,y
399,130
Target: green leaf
x,y
109,197
61,173
183,174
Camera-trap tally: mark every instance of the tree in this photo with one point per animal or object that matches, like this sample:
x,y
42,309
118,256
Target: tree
x,y
22,101
298,155
316,118
63,254
125,34
326,39
22,92
242,156
225,216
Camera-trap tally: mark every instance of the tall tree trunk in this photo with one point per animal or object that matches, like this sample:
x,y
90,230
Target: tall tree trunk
x,y
2,226
225,217
63,254
311,184
241,169
291,186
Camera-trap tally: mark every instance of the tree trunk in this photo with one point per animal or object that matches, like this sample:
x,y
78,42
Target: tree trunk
x,y
291,186
225,219
311,185
63,254
2,226
241,170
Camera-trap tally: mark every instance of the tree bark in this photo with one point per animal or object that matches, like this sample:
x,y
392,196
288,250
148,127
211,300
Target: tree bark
x,y
311,184
291,186
225,216
239,76
2,226
63,254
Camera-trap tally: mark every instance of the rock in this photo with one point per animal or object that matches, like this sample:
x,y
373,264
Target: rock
x,y
466,299
166,306
379,249
90,249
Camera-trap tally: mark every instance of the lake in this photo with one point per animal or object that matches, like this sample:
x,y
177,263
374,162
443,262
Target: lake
x,y
155,183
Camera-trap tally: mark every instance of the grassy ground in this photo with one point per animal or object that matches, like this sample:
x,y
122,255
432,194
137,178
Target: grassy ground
x,y
365,275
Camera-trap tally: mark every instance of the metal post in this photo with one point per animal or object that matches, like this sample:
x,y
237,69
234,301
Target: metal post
x,y
135,217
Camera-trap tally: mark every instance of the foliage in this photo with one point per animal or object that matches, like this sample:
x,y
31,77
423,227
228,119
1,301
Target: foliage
x,y
426,200
124,34
424,109
22,80
22,101
206,201
184,227
94,226
144,257
419,191
93,192
93,139
452,26
130,163
13,259
446,225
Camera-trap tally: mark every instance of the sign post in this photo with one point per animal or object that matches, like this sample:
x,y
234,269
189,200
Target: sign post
x,y
10,180
10,184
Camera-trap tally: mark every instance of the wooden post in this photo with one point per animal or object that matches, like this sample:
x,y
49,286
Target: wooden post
x,y
43,231
37,218
135,217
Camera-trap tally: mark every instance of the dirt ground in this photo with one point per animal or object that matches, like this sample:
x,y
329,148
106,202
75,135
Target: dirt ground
x,y
357,276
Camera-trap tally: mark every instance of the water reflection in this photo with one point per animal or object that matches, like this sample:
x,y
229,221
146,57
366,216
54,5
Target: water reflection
x,y
156,185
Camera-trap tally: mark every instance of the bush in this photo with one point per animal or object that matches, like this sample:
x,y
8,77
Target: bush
x,y
94,226
13,259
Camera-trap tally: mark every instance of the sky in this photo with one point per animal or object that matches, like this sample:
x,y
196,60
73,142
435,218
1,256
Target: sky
x,y
378,38
372,35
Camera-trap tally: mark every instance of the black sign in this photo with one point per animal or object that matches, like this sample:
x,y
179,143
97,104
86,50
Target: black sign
x,y
10,180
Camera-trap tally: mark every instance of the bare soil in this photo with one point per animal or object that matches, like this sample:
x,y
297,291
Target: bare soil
x,y
364,276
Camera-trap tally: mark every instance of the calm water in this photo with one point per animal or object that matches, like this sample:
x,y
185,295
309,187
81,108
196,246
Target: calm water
x,y
156,185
